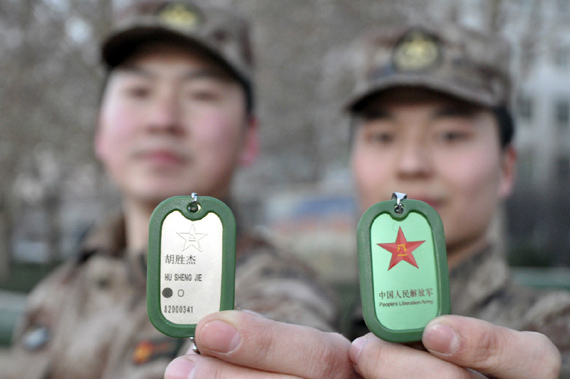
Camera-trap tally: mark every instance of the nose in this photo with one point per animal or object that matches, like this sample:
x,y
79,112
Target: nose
x,y
414,160
164,114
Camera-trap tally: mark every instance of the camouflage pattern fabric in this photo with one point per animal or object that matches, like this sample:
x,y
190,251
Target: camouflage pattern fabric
x,y
461,62
482,287
89,318
215,32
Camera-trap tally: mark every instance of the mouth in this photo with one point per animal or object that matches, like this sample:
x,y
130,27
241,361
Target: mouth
x,y
162,158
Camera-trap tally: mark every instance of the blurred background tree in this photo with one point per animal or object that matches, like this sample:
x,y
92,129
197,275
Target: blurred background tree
x,y
52,189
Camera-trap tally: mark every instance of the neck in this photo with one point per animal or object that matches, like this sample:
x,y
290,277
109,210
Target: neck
x,y
458,253
137,217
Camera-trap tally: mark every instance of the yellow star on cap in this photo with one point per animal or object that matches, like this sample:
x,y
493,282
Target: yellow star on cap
x,y
180,15
417,51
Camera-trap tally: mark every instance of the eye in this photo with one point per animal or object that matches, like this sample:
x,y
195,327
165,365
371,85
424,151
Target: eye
x,y
379,132
138,91
383,137
452,136
203,95
203,90
379,137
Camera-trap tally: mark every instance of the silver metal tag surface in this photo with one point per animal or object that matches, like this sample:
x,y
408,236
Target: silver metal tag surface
x,y
191,267
191,263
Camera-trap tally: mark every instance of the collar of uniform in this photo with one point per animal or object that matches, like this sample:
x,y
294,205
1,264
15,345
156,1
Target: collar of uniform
x,y
475,280
250,244
108,238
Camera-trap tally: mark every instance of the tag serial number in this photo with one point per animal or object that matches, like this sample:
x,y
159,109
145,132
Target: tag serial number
x,y
178,309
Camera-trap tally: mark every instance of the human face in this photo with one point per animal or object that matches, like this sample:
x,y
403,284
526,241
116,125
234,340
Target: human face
x,y
437,149
171,123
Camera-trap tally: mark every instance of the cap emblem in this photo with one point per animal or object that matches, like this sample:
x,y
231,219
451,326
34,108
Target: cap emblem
x,y
180,15
417,51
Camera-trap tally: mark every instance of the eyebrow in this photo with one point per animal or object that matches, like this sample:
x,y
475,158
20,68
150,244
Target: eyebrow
x,y
456,110
205,73
374,114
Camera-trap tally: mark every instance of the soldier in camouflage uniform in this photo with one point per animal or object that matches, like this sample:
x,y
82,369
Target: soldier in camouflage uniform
x,y
432,107
176,117
431,118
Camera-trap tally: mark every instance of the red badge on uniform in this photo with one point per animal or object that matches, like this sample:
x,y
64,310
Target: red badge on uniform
x,y
151,349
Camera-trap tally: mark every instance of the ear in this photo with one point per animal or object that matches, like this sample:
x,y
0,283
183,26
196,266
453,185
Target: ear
x,y
508,171
98,143
250,149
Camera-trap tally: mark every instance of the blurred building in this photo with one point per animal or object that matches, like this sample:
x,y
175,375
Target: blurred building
x,y
543,113
539,210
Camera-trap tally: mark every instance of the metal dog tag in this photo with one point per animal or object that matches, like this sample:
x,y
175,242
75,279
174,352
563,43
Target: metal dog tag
x,y
404,281
191,263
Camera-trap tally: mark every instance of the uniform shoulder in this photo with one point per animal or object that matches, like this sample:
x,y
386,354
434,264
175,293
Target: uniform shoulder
x,y
275,283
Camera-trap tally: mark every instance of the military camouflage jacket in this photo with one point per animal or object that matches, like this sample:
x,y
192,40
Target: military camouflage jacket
x,y
89,318
482,287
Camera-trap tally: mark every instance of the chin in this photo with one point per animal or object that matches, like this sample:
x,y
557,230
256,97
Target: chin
x,y
166,187
159,195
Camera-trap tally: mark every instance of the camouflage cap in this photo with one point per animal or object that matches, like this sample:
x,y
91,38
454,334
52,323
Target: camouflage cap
x,y
443,57
221,34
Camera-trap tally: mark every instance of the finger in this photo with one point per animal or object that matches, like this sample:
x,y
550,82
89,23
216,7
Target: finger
x,y
374,358
250,340
179,368
492,349
194,366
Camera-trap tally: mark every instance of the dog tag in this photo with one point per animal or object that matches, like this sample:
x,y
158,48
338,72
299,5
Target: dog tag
x,y
191,263
404,280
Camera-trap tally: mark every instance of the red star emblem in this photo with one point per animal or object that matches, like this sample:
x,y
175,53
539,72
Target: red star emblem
x,y
401,250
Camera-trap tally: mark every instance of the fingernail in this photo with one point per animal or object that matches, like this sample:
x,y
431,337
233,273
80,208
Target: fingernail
x,y
180,368
356,348
441,338
219,336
